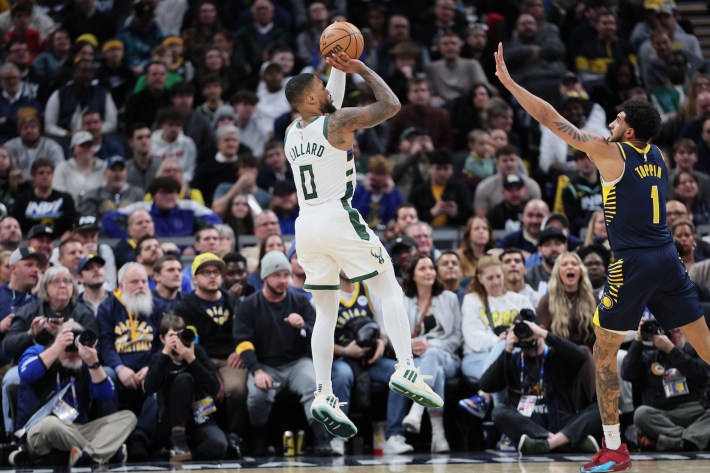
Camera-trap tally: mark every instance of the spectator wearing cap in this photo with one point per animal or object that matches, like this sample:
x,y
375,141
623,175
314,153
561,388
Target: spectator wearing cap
x,y
169,141
128,336
583,194
506,215
551,244
222,164
116,193
41,239
196,126
140,35
442,200
104,146
30,144
82,172
298,274
114,73
534,213
206,241
420,114
143,106
247,171
402,250
85,17
273,329
44,204
91,274
555,156
210,309
10,234
86,230
64,109
12,99
284,203
489,192
171,216
38,20
272,98
26,265
377,198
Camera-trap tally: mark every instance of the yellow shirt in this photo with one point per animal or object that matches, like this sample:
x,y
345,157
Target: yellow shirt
x,y
439,220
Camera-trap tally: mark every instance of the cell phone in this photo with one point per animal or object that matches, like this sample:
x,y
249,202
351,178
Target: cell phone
x,y
254,205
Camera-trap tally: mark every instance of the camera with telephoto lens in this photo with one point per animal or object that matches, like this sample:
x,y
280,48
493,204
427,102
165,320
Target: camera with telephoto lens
x,y
650,328
364,331
523,330
187,336
85,337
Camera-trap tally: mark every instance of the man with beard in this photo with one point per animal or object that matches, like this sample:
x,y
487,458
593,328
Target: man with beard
x,y
41,238
148,251
67,363
534,212
512,263
10,234
236,275
86,230
167,273
91,274
551,244
451,275
506,215
140,224
206,241
273,328
298,275
128,338
210,310
116,193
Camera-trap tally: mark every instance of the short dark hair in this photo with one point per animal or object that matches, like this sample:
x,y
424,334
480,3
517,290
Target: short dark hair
x,y
245,96
198,233
40,163
158,265
210,79
512,250
643,118
601,250
171,321
234,257
169,114
140,242
247,161
91,111
506,150
182,88
298,86
165,184
136,127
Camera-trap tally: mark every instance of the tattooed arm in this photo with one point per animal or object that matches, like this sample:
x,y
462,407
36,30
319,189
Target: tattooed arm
x,y
605,155
344,122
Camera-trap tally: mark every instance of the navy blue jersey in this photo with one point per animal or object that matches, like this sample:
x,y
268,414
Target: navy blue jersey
x,y
635,205
359,305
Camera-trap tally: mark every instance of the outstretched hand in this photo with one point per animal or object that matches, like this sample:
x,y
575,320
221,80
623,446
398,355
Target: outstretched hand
x,y
501,68
345,63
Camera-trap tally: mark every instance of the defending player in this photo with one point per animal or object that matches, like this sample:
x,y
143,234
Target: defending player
x,y
647,271
330,234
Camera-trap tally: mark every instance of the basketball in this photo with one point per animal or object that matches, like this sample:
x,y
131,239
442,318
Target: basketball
x,y
342,36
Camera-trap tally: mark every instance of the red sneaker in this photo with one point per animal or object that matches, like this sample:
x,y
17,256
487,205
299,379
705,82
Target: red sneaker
x,y
608,460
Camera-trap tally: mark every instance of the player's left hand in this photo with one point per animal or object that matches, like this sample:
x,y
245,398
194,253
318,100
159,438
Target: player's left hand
x,y
501,68
345,63
295,320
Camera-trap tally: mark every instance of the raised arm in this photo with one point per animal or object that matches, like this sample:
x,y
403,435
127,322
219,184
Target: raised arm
x,y
604,154
386,106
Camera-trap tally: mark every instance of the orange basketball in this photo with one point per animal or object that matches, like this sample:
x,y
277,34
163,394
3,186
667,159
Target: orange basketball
x,y
342,36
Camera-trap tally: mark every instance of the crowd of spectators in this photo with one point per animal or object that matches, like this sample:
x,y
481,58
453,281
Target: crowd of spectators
x,y
128,128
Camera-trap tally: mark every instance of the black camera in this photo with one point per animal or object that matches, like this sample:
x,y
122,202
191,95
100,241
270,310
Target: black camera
x,y
364,331
649,329
85,337
520,328
187,336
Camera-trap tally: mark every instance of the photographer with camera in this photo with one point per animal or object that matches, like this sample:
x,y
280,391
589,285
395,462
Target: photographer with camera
x,y
672,378
186,382
536,368
358,358
59,385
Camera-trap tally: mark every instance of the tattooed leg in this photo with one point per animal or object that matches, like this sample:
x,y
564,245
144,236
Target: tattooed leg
x,y
607,382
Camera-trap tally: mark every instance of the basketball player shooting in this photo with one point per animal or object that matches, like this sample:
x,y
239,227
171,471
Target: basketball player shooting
x,y
647,271
331,235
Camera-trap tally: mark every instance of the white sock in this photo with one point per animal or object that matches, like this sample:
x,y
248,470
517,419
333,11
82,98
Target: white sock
x,y
406,361
612,436
386,287
323,340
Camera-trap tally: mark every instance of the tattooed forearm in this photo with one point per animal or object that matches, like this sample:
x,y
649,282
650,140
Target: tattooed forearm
x,y
571,130
607,382
382,91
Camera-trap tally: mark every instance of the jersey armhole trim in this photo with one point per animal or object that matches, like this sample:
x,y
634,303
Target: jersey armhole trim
x,y
325,126
623,170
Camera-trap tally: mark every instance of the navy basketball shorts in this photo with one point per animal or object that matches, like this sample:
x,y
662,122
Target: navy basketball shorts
x,y
655,278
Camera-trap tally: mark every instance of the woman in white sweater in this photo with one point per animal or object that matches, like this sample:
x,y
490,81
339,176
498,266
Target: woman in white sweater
x,y
435,318
488,310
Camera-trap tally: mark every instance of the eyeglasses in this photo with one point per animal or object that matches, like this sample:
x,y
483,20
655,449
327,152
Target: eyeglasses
x,y
61,282
679,212
210,273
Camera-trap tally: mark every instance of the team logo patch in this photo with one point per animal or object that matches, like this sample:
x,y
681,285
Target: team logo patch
x,y
658,369
607,302
377,254
362,300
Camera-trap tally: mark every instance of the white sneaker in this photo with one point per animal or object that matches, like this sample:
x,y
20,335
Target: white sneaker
x,y
412,422
409,382
326,410
396,445
338,446
439,444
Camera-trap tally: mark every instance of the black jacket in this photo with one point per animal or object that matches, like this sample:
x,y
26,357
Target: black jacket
x,y
216,339
422,198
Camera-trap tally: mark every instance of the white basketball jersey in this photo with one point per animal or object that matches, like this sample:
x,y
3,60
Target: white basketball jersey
x,y
322,172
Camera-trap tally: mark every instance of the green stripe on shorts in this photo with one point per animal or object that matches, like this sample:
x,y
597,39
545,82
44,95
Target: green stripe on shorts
x,y
367,276
321,287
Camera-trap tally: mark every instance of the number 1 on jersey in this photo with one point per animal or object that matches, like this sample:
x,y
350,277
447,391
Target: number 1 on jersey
x,y
656,208
308,168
